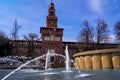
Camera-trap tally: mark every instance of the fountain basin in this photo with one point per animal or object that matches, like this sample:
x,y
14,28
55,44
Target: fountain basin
x,y
59,74
98,59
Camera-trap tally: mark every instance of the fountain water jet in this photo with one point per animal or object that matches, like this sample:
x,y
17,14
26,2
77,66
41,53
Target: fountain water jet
x,y
47,62
67,59
23,65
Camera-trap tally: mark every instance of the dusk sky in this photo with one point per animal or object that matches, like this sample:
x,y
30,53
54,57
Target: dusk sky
x,y
31,15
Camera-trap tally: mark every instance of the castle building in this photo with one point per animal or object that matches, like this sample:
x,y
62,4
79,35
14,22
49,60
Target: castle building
x,y
51,35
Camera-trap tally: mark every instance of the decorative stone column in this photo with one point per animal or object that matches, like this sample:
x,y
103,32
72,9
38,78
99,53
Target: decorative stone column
x,y
116,61
96,61
88,62
82,63
106,61
77,62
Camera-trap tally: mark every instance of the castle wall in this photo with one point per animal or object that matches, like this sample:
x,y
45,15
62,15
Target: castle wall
x,y
21,47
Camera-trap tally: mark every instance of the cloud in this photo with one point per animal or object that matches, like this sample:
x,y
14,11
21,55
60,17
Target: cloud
x,y
68,39
112,38
96,6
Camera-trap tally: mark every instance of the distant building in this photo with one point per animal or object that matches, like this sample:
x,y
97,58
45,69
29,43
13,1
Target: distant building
x,y
51,38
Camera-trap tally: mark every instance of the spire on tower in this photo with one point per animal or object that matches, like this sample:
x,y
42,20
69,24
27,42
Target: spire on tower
x,y
51,20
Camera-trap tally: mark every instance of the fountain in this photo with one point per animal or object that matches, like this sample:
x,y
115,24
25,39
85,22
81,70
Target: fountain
x,y
66,73
47,63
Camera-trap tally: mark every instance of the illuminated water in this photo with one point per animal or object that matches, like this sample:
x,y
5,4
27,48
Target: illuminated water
x,y
58,74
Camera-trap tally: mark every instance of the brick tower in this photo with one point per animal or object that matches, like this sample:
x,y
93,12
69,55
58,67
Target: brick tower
x,y
51,35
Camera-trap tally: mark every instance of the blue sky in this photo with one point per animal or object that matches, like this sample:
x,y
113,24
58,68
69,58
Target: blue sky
x,y
31,14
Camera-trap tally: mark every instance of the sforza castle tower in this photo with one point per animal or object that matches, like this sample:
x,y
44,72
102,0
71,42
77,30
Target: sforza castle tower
x,y
51,35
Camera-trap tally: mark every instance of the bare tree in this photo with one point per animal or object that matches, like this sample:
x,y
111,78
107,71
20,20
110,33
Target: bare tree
x,y
101,31
4,44
30,37
14,35
86,35
117,31
15,30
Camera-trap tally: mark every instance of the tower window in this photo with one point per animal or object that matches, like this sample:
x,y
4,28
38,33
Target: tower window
x,y
51,13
